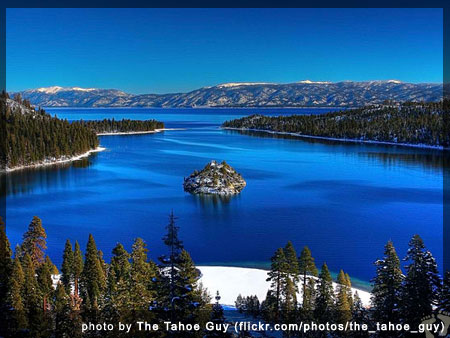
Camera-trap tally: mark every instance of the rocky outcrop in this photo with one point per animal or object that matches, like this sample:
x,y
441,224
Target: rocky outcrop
x,y
215,178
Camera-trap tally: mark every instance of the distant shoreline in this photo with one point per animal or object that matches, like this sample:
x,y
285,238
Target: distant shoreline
x,y
420,146
63,159
138,132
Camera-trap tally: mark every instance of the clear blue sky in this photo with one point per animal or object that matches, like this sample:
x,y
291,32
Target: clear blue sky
x,y
177,50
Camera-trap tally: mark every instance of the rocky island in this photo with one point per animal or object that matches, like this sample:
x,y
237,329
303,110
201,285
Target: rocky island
x,y
215,178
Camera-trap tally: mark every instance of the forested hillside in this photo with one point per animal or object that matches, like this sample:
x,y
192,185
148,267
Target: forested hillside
x,y
33,136
122,126
409,123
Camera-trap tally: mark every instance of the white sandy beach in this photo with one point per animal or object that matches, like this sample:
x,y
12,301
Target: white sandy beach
x,y
64,159
232,281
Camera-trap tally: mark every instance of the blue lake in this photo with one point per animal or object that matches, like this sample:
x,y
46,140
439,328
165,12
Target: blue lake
x,y
343,200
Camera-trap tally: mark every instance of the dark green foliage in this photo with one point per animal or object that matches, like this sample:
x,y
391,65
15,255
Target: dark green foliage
x,y
5,271
93,279
293,264
45,283
422,284
387,287
179,298
17,319
325,296
143,276
119,279
415,123
67,267
249,305
307,266
34,241
33,136
77,267
218,318
63,322
277,277
344,300
122,126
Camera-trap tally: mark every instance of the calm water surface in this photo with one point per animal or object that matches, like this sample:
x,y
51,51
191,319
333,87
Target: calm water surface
x,y
342,200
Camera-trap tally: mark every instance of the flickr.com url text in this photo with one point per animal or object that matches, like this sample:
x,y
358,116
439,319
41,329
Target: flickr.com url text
x,y
242,326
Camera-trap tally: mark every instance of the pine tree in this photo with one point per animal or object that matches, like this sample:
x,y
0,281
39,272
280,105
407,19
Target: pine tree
x,y
179,296
420,291
34,241
309,298
269,307
307,267
343,306
5,260
120,263
63,323
169,273
289,304
119,278
31,296
52,267
387,286
359,315
5,272
17,318
276,277
77,267
143,276
325,296
45,284
67,267
348,284
191,301
217,318
293,264
239,303
92,278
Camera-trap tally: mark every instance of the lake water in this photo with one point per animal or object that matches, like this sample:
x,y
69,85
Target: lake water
x,y
344,201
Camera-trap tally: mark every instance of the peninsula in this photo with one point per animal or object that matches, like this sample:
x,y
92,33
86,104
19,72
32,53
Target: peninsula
x,y
34,138
414,124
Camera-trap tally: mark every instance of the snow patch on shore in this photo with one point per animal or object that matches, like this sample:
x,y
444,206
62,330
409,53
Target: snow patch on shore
x,y
51,161
232,281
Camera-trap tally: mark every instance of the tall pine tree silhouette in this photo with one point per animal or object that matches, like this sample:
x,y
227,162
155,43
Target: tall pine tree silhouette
x,y
387,284
420,291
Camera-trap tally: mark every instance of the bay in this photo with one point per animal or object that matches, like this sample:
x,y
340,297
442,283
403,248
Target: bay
x,y
343,200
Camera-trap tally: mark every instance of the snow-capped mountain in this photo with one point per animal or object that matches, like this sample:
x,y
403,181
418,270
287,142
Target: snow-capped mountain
x,y
304,93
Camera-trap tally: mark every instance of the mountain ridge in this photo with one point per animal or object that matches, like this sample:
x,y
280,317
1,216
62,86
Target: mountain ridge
x,y
304,93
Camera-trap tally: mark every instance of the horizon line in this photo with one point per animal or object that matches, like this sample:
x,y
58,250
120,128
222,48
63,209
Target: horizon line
x,y
224,84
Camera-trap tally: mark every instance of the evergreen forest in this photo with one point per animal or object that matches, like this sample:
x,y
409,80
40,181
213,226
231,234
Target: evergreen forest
x,y
132,287
406,123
